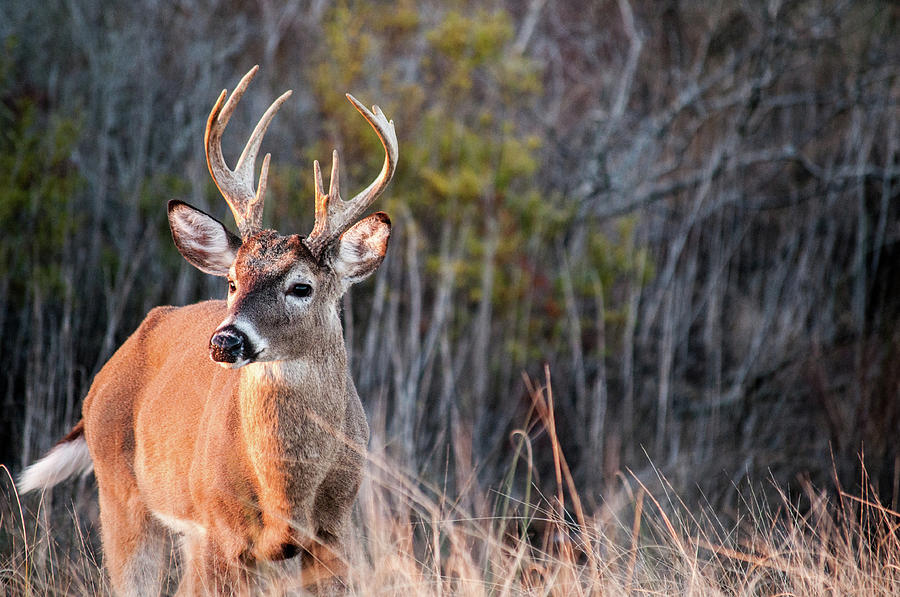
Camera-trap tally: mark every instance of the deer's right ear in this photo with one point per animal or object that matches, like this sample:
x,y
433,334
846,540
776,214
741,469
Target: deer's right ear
x,y
202,239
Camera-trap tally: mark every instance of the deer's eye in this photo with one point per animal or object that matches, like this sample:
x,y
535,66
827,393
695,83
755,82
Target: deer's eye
x,y
300,290
231,286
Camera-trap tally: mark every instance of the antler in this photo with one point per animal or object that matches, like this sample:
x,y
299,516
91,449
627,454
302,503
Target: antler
x,y
237,185
334,215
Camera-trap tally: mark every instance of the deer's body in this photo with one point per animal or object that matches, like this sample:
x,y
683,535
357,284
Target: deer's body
x,y
235,424
243,456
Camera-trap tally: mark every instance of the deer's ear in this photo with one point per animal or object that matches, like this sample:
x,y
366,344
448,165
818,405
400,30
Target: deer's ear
x,y
361,249
202,239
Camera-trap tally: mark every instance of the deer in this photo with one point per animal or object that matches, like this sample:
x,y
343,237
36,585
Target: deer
x,y
233,426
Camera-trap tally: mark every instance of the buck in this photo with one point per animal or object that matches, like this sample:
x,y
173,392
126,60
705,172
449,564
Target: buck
x,y
235,424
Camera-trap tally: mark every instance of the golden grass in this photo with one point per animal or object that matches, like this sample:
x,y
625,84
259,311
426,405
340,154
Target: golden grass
x,y
426,545
411,538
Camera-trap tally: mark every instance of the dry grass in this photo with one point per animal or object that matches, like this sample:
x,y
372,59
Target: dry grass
x,y
418,541
413,539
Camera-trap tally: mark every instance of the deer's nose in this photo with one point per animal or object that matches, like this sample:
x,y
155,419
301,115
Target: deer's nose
x,y
227,345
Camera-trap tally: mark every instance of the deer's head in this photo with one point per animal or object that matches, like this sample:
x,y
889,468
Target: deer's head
x,y
283,291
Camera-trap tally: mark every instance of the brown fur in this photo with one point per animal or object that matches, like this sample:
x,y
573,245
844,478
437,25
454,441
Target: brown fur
x,y
248,464
75,433
257,459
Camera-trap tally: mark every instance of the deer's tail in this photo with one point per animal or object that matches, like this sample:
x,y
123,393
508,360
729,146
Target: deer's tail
x,y
70,456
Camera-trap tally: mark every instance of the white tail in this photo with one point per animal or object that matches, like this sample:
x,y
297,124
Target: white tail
x,y
67,459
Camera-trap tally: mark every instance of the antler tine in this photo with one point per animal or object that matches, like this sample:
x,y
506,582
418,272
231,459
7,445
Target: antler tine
x,y
236,185
333,215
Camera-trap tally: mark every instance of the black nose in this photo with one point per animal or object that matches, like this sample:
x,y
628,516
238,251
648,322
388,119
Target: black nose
x,y
227,345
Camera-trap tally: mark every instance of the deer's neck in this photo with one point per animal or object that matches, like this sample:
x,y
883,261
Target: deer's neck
x,y
287,407
293,387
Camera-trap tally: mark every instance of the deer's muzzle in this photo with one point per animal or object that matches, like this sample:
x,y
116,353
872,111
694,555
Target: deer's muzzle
x,y
229,346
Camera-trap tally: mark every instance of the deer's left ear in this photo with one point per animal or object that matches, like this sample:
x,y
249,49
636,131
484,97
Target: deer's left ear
x,y
361,249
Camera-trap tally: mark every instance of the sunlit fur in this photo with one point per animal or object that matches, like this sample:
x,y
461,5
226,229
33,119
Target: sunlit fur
x,y
248,464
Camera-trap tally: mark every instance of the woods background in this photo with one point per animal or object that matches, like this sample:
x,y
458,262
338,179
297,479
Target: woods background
x,y
688,210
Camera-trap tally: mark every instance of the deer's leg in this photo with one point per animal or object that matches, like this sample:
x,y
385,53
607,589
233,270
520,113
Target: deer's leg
x,y
324,569
134,545
336,494
208,570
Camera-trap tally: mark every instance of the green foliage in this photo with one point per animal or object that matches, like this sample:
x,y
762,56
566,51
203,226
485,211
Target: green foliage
x,y
37,184
469,151
462,47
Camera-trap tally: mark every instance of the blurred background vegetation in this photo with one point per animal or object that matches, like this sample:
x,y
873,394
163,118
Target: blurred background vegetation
x,y
687,209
